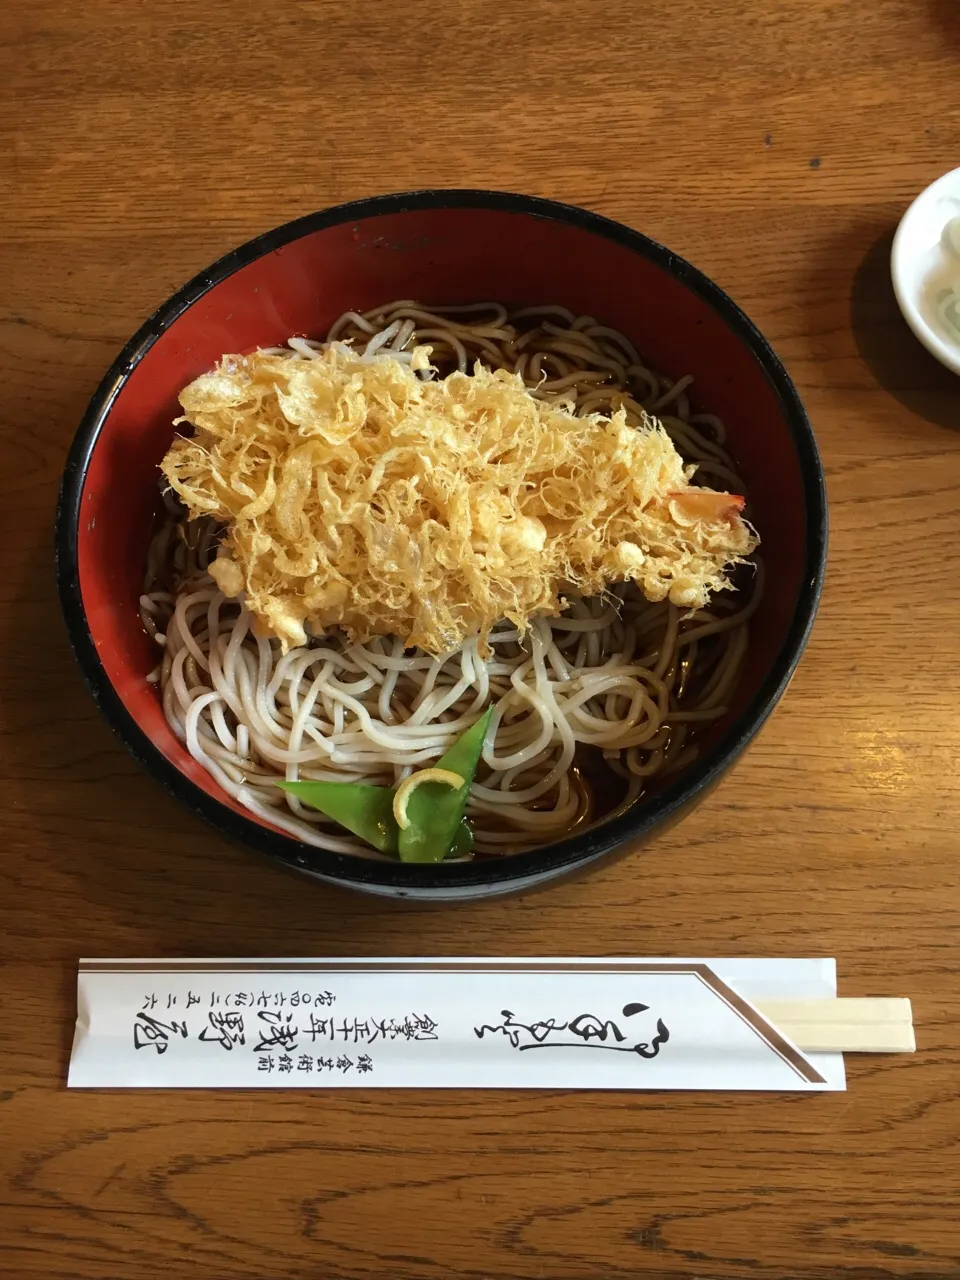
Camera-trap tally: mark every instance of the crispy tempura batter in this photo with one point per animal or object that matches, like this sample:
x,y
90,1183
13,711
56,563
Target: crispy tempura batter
x,y
354,494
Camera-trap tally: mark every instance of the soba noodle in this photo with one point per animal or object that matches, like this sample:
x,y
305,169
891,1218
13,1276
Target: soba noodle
x,y
590,707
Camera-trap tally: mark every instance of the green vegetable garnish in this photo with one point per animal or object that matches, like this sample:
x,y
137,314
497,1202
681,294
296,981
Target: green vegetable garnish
x,y
462,845
438,828
436,811
366,811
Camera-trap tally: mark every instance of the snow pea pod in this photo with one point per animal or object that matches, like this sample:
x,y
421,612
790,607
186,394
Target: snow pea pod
x,y
435,810
369,811
364,810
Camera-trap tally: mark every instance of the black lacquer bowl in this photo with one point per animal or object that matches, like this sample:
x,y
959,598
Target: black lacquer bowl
x,y
441,247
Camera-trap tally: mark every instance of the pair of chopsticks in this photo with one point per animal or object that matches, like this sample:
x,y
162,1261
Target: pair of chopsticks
x,y
850,1025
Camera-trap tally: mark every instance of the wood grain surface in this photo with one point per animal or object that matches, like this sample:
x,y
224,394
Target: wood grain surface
x,y
776,144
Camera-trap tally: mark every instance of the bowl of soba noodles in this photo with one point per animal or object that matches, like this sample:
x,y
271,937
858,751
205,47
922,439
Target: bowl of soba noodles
x,y
442,544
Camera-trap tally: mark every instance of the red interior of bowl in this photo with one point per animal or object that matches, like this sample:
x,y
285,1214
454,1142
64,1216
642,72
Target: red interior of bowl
x,y
441,256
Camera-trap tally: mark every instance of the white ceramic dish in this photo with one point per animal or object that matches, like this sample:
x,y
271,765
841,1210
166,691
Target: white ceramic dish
x,y
925,263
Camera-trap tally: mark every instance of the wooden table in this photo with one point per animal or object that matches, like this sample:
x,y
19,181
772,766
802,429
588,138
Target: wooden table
x,y
775,143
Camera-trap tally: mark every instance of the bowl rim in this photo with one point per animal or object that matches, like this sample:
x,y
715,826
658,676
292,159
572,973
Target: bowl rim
x,y
396,877
900,254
